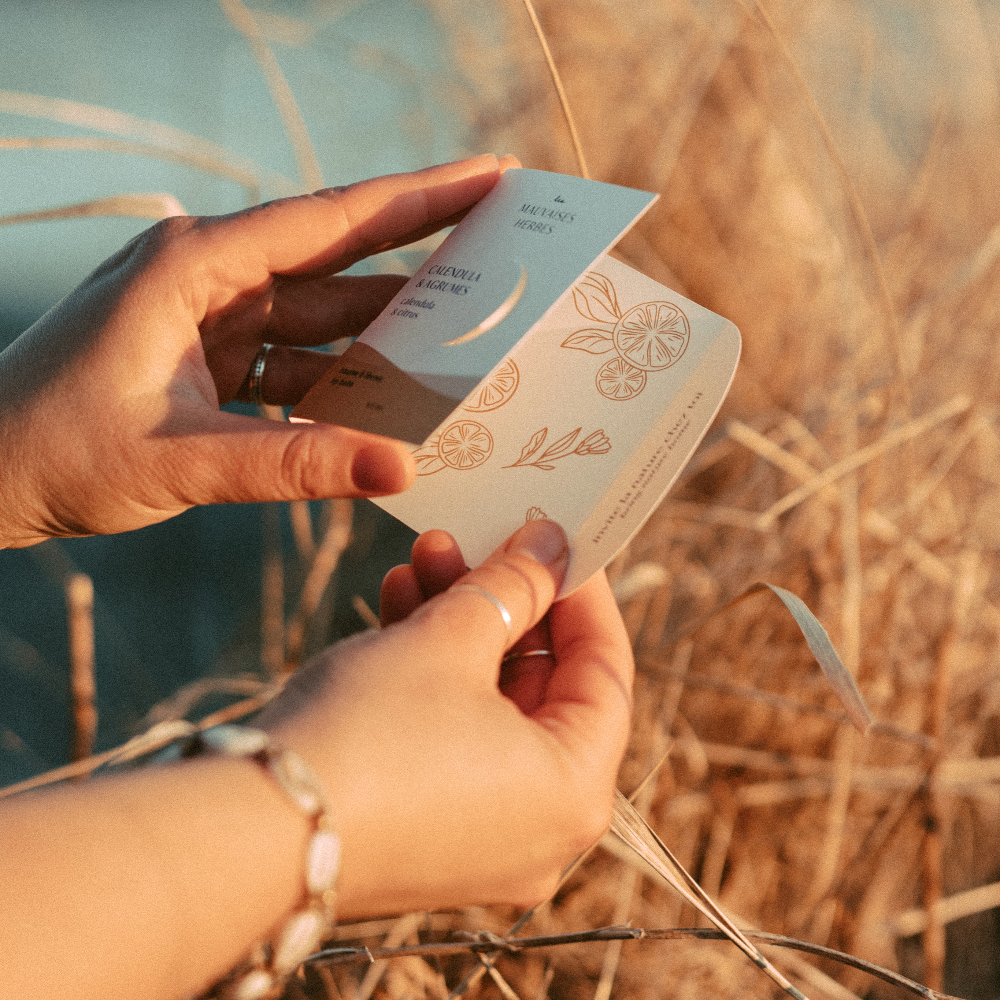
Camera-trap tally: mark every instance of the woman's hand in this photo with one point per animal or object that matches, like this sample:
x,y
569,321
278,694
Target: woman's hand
x,y
451,785
109,415
444,789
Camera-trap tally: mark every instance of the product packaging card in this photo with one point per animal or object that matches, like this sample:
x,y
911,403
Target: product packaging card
x,y
535,376
587,421
498,272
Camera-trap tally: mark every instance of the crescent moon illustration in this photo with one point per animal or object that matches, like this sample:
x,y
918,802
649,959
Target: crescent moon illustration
x,y
494,317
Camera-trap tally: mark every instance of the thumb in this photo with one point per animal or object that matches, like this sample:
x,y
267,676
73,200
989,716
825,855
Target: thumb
x,y
486,611
229,458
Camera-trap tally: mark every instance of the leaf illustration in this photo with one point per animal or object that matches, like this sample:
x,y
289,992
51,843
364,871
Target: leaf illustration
x,y
429,464
591,341
428,458
595,298
561,447
537,440
547,468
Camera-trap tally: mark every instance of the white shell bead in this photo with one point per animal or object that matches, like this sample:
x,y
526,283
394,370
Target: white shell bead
x,y
252,986
322,861
236,741
291,772
298,939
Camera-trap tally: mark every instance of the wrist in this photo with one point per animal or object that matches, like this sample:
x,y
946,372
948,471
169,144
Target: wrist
x,y
300,934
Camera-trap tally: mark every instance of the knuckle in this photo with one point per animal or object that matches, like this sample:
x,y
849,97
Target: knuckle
x,y
301,470
162,237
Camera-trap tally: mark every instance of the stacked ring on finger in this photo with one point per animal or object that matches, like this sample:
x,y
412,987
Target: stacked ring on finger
x,y
255,377
514,655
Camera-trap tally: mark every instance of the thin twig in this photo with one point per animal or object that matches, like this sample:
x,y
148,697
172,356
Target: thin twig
x,y
557,82
159,736
130,206
909,431
344,956
196,161
365,613
165,137
933,846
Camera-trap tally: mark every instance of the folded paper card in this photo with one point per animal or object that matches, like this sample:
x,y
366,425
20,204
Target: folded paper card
x,y
593,400
491,280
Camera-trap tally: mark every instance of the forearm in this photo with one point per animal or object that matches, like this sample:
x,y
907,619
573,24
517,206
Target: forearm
x,y
151,884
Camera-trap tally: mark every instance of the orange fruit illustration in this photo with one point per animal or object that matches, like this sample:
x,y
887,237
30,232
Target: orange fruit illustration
x,y
495,392
617,379
651,336
465,445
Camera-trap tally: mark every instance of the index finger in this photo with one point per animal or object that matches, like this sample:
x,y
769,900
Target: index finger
x,y
333,228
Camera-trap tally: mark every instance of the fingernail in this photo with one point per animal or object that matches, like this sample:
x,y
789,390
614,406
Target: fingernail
x,y
379,469
543,541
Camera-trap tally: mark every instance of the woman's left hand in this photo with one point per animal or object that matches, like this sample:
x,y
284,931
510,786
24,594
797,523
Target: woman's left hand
x,y
455,779
109,405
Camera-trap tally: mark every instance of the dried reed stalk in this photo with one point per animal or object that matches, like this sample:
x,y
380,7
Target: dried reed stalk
x,y
859,464
560,92
335,540
284,100
82,679
204,164
172,141
272,593
133,206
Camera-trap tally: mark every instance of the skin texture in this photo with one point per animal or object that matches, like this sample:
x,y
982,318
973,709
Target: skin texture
x,y
456,773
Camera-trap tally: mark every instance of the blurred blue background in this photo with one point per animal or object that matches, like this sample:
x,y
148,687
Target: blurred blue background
x,y
181,600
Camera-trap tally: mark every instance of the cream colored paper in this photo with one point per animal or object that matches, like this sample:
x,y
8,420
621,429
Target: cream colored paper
x,y
587,421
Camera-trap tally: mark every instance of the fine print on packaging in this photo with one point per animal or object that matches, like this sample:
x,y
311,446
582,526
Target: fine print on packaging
x,y
534,375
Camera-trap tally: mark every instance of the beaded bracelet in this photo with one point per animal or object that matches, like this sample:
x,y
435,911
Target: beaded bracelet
x,y
264,973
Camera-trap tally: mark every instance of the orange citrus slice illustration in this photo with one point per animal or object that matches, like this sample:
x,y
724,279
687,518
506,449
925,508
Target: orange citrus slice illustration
x,y
465,445
617,379
652,336
495,392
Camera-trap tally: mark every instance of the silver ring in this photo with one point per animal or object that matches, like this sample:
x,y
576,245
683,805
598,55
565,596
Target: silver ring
x,y
492,598
511,657
255,379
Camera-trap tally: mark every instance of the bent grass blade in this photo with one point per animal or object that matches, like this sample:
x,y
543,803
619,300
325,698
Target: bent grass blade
x,y
636,834
818,641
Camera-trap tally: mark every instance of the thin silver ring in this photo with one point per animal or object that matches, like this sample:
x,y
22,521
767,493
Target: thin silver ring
x,y
255,379
511,657
492,598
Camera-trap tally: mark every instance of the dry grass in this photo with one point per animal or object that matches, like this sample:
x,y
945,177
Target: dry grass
x,y
826,175
826,183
